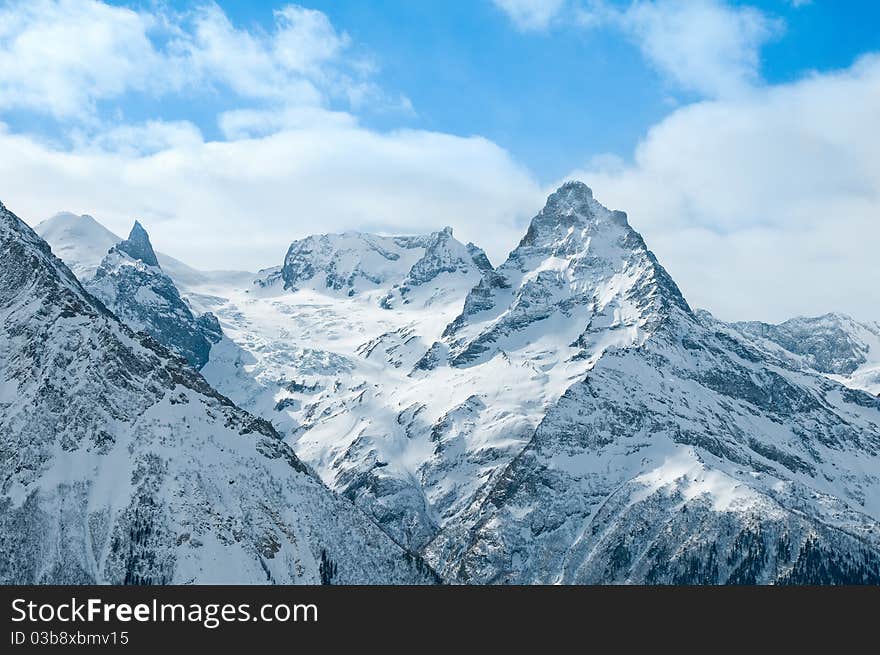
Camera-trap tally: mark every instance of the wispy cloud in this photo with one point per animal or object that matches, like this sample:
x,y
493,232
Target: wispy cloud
x,y
709,47
530,15
63,57
294,155
705,46
239,203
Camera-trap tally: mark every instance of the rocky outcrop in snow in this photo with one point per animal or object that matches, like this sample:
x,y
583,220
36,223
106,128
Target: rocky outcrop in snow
x,y
130,282
834,344
355,262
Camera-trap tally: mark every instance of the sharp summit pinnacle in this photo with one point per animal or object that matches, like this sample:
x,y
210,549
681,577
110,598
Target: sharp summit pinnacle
x,y
138,246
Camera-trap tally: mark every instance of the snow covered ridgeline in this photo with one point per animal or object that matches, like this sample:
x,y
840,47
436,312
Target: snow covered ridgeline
x,y
834,344
354,262
124,466
126,275
513,449
564,418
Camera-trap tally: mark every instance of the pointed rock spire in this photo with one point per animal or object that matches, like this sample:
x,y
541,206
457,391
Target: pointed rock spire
x,y
138,246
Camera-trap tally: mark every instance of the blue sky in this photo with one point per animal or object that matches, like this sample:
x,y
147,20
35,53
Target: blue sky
x,y
739,136
553,97
556,97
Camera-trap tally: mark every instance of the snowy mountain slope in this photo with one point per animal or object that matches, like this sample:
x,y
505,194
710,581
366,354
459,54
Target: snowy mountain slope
x,y
564,418
683,454
130,282
691,459
416,443
81,242
571,421
354,262
121,465
842,348
331,369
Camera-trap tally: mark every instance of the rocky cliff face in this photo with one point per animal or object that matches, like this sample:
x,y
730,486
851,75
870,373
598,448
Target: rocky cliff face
x,y
691,459
834,344
122,465
130,282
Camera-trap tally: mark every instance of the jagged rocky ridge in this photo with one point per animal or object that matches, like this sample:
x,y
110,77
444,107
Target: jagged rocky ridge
x,y
834,344
122,465
355,262
564,418
130,282
682,456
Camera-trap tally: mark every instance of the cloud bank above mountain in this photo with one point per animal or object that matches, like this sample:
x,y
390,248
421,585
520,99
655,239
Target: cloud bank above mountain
x,y
762,200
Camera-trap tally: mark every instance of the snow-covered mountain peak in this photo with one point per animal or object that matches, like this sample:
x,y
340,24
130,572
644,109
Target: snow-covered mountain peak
x,y
580,273
445,254
572,192
571,208
79,241
66,220
133,286
571,199
138,246
354,263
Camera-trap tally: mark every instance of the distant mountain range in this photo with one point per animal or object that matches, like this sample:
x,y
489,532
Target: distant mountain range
x,y
400,406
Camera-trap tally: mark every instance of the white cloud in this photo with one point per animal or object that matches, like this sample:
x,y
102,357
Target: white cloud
x,y
238,204
763,202
764,206
290,165
704,46
293,64
709,47
62,57
246,123
139,139
306,39
531,14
